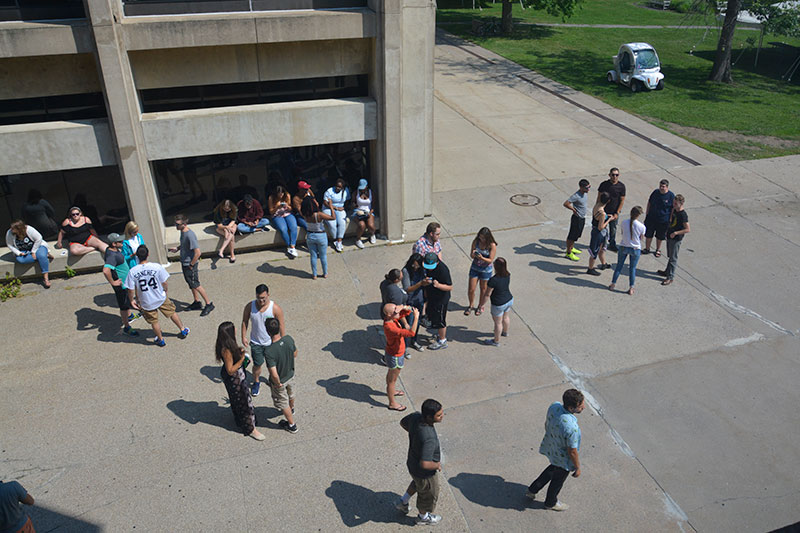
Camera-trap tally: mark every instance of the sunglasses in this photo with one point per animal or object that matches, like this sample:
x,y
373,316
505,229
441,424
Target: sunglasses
x,y
614,175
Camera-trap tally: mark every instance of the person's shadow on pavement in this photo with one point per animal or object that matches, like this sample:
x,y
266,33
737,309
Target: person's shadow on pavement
x,y
355,347
108,326
492,491
358,392
358,505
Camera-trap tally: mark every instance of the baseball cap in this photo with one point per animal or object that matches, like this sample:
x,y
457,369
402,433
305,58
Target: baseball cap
x,y
431,261
362,184
248,197
115,237
303,185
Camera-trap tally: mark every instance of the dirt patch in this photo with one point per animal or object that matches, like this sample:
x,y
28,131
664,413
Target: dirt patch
x,y
736,146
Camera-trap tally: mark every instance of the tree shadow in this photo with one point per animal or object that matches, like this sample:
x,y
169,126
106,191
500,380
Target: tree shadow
x,y
491,491
45,519
108,326
283,270
355,347
358,505
358,392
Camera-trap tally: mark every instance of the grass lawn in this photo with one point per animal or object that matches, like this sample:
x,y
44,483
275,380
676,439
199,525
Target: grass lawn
x,y
757,116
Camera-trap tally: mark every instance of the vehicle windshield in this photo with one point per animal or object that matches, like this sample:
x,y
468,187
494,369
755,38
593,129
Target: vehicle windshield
x,y
646,59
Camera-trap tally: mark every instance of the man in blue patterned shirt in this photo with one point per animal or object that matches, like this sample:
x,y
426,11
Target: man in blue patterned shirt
x,y
561,442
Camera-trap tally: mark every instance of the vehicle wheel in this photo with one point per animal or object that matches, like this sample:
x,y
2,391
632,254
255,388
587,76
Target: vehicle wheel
x,y
636,86
660,85
610,78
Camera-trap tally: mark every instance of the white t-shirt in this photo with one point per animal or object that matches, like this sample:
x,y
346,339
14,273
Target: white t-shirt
x,y
147,280
632,240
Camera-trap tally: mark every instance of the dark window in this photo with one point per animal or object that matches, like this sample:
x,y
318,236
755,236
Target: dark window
x,y
50,108
42,199
166,7
41,9
195,185
265,92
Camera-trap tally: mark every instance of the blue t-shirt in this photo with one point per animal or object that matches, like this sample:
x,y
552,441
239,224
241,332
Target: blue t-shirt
x,y
337,199
561,432
12,517
660,205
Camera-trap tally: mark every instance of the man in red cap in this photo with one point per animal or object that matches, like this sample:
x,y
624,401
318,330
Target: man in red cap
x,y
303,190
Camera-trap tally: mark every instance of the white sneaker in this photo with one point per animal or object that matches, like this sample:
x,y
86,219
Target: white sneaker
x,y
440,344
372,239
429,519
293,252
359,244
559,506
337,246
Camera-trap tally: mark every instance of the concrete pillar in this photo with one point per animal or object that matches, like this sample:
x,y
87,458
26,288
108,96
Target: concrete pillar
x,y
402,84
124,115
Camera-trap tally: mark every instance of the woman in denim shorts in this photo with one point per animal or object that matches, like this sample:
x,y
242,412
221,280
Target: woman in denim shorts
x,y
502,300
483,250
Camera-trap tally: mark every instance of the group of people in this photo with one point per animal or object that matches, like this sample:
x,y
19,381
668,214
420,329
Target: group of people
x,y
665,219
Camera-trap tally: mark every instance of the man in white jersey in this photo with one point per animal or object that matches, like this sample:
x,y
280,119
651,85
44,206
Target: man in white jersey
x,y
256,314
147,282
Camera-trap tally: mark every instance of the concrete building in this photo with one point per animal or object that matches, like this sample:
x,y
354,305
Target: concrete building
x,y
140,109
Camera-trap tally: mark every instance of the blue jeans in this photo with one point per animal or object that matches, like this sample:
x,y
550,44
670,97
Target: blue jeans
x,y
635,254
301,222
287,227
336,227
41,256
318,247
244,228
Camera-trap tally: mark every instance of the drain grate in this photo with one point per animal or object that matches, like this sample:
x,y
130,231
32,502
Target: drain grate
x,y
525,200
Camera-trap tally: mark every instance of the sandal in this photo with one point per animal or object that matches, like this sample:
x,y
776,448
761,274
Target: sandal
x,y
631,291
478,311
467,310
667,282
657,253
400,408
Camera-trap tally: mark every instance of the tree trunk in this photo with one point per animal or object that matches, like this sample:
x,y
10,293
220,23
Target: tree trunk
x,y
721,71
507,20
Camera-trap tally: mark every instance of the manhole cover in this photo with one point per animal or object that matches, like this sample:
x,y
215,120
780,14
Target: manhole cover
x,y
525,200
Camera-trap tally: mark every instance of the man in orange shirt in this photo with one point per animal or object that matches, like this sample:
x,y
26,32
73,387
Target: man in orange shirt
x,y
396,346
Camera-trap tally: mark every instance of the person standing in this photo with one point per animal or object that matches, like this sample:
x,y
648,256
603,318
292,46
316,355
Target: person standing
x,y
424,461
561,442
482,252
147,291
28,246
115,270
429,242
413,276
678,227
316,237
659,208
256,313
232,357
577,204
133,239
616,195
438,285
13,518
280,356
502,300
250,216
630,245
600,221
190,256
395,335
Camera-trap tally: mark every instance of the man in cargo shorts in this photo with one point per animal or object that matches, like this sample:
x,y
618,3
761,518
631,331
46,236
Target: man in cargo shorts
x,y
280,357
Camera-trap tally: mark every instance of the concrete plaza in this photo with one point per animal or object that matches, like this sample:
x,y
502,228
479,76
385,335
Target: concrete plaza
x,y
691,387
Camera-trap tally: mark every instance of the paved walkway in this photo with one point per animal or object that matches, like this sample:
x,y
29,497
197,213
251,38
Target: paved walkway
x,y
691,387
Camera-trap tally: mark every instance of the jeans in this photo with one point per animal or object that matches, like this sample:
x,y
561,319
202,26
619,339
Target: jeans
x,y
336,227
41,256
287,227
673,247
635,254
244,228
612,233
318,247
301,222
556,477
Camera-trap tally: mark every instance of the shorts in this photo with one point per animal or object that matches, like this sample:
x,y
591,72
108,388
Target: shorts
x,y
167,309
598,241
191,276
437,314
483,274
576,225
123,302
500,310
363,218
659,229
393,362
259,353
281,395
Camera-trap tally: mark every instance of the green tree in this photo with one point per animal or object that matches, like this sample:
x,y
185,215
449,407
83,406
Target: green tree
x,y
562,8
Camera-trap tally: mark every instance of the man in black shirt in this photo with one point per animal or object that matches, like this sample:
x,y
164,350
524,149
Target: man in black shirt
x,y
424,461
437,285
616,190
678,227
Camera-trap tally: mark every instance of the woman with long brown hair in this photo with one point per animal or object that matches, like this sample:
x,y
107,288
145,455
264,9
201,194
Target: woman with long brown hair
x,y
225,224
279,206
630,245
28,246
231,355
80,234
501,298
482,252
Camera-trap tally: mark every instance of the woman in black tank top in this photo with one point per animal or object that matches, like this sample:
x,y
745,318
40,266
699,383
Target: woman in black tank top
x,y
80,234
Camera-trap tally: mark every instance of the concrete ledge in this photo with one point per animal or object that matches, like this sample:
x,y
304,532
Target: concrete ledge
x,y
91,262
23,39
214,29
46,146
258,127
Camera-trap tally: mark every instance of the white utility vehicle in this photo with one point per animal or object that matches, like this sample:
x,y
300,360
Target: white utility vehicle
x,y
637,66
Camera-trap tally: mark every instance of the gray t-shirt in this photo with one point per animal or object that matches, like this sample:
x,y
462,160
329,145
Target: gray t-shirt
x,y
12,517
392,293
578,201
423,445
188,246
